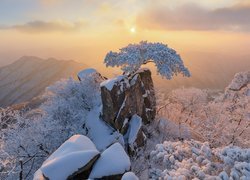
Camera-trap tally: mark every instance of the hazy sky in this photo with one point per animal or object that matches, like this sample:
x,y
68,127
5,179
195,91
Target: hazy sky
x,y
85,30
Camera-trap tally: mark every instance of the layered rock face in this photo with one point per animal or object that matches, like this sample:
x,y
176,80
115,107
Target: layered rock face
x,y
128,103
124,96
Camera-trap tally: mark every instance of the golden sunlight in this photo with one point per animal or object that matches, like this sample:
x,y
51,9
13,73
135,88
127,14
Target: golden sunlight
x,y
132,30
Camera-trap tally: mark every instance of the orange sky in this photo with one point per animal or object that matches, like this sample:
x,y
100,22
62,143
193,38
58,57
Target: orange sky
x,y
86,30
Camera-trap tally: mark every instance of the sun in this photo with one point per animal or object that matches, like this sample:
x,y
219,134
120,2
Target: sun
x,y
132,30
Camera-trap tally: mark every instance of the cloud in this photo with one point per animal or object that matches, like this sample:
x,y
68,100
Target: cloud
x,y
194,17
47,26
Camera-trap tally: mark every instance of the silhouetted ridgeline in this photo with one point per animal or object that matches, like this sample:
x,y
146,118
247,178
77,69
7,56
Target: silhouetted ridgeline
x,y
29,76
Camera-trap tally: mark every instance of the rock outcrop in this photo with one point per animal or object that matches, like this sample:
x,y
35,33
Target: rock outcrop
x,y
112,164
96,77
125,96
78,158
239,81
74,159
239,86
128,103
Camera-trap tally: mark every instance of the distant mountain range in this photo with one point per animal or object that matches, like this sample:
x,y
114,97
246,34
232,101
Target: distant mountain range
x,y
29,76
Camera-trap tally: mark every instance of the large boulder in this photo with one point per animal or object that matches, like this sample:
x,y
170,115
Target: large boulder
x,y
124,96
72,160
112,164
92,74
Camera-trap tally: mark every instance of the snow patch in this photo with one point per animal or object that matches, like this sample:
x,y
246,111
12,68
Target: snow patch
x,y
86,72
133,81
72,155
109,84
129,176
113,161
125,122
134,127
99,132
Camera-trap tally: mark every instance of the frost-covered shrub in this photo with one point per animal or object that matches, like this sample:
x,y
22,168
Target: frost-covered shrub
x,y
19,147
131,57
193,159
71,93
33,136
70,100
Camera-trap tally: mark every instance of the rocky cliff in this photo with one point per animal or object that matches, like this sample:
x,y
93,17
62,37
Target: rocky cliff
x,y
128,103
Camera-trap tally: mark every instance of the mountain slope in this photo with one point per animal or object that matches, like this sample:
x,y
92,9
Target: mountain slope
x,y
29,76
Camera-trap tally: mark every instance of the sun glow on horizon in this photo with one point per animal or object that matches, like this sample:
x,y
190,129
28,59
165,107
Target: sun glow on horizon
x,y
132,30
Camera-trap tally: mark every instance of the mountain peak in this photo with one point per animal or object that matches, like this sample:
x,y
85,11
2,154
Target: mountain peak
x,y
29,76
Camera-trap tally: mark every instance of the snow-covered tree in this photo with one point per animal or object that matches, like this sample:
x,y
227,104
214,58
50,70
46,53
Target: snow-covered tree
x,y
220,119
26,140
131,57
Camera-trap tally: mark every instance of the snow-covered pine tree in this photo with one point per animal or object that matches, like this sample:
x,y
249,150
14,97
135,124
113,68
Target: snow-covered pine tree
x,y
131,57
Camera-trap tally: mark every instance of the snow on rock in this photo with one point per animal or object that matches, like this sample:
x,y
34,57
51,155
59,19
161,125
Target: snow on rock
x,y
134,126
109,84
113,162
193,159
129,176
125,96
86,72
38,175
134,136
99,132
72,156
240,80
90,72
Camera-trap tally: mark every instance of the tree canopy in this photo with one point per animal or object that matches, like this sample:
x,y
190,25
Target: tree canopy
x,y
131,57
